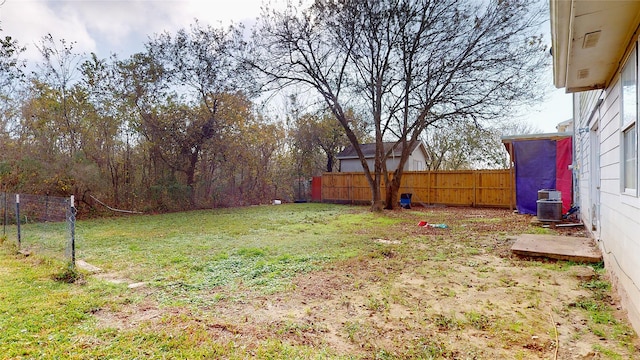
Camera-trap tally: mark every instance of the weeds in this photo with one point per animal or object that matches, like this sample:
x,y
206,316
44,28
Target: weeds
x,y
477,320
541,231
445,323
601,320
440,257
352,329
69,275
429,348
377,305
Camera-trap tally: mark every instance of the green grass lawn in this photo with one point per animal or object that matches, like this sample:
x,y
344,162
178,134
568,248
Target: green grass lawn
x,y
296,281
181,256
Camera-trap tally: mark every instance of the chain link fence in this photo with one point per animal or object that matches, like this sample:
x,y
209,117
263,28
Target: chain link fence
x,y
40,223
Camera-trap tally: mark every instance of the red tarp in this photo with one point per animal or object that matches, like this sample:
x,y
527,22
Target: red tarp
x,y
564,179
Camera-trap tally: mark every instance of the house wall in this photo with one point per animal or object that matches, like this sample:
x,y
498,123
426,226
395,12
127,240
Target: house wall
x,y
416,162
615,223
587,128
353,165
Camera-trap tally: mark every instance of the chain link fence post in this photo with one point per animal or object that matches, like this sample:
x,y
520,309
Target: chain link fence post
x,y
72,231
18,219
4,213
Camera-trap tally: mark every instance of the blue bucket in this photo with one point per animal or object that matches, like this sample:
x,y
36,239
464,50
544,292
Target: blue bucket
x,y
405,201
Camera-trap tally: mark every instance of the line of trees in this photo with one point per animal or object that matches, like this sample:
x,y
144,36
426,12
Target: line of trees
x,y
183,124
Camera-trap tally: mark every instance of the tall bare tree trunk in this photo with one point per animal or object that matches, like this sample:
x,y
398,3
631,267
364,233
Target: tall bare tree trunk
x,y
376,196
392,188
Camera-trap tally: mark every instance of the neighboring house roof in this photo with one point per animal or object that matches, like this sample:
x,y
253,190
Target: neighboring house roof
x,y
565,126
369,150
588,40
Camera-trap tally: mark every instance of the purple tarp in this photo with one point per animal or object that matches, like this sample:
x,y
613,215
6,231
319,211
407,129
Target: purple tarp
x,y
535,170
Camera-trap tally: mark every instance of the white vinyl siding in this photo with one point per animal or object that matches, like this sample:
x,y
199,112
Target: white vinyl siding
x,y
607,168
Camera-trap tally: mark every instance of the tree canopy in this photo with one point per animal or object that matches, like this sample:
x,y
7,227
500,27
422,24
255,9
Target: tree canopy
x,y
409,63
184,123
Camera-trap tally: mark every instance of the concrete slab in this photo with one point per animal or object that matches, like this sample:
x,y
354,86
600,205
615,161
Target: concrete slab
x,y
570,248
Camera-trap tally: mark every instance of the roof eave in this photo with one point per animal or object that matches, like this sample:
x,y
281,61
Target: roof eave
x,y
542,136
589,39
560,13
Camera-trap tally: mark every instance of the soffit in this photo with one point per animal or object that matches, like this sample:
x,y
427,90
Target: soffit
x,y
589,39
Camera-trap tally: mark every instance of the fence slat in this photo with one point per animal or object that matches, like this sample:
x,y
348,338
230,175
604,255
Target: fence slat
x,y
480,188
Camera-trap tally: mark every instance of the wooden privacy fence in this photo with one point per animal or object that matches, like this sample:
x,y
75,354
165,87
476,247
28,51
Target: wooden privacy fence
x,y
479,188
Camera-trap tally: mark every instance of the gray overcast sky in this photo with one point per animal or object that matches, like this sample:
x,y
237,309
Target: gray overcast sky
x,y
119,26
122,27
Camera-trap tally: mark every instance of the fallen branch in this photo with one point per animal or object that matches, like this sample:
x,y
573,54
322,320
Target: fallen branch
x,y
114,209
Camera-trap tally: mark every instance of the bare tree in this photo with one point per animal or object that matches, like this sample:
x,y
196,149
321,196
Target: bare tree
x,y
469,145
410,63
10,64
320,137
180,86
59,71
11,73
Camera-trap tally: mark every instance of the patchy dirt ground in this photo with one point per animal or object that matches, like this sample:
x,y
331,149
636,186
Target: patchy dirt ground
x,y
455,293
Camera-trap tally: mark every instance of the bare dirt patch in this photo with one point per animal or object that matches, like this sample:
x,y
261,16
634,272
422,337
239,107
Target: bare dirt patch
x,y
455,293
128,317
